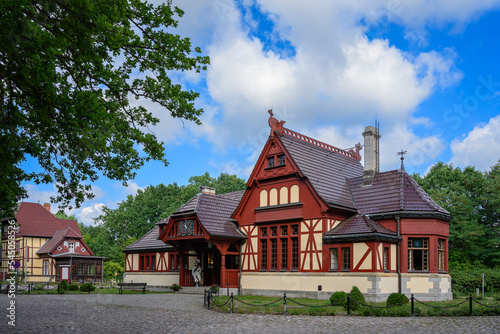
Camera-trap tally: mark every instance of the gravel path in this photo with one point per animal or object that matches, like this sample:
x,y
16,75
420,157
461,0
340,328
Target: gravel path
x,y
182,313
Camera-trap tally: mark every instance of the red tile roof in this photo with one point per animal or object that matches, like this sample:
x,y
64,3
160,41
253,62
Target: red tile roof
x,y
35,220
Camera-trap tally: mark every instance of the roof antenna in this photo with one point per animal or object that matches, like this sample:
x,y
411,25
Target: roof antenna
x,y
402,153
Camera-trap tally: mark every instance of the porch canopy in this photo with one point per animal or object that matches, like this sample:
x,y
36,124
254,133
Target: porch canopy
x,y
203,228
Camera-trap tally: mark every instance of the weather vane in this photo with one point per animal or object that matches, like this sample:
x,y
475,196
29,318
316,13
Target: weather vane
x,y
402,154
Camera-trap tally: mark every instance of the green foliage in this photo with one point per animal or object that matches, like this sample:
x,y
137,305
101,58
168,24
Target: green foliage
x,y
356,298
38,287
339,298
467,281
63,285
72,287
473,200
396,299
69,70
85,287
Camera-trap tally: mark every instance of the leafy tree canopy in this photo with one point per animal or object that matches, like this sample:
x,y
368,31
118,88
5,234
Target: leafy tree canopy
x,y
68,72
473,199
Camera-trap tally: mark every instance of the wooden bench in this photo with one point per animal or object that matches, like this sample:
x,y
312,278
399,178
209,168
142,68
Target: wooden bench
x,y
133,286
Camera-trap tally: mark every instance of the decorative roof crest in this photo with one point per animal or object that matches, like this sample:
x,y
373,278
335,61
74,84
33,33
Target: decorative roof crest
x,y
275,124
356,154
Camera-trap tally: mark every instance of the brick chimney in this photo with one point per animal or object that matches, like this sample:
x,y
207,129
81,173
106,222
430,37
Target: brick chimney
x,y
207,190
372,163
46,206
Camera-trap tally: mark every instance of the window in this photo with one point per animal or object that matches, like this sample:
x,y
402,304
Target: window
x,y
45,268
386,258
270,162
281,160
334,259
418,254
91,269
279,248
18,246
263,252
147,262
441,255
81,269
71,247
346,258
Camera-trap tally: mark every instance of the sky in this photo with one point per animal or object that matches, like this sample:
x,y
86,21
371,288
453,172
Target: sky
x,y
428,71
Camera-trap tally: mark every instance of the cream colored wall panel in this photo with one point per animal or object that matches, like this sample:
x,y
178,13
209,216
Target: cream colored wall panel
x,y
273,197
359,249
304,282
294,194
263,198
388,284
380,257
135,261
165,279
284,195
419,284
319,225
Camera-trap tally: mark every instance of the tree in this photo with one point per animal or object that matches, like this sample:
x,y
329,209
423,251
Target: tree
x,y
68,70
472,198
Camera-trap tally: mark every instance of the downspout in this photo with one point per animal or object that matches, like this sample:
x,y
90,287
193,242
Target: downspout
x,y
399,254
239,274
70,268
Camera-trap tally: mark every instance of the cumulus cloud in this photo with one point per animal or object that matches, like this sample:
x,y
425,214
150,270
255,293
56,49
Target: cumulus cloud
x,y
87,214
479,147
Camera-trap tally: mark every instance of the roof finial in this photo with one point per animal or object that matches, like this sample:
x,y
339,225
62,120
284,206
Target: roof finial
x,y
275,124
402,153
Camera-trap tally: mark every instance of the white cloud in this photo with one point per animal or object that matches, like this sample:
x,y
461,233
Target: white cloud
x,y
479,147
88,213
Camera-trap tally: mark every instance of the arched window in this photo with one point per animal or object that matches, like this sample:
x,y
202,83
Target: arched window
x,y
284,195
263,198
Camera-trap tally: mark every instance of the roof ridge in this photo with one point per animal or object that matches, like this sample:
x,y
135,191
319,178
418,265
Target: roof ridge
x,y
318,143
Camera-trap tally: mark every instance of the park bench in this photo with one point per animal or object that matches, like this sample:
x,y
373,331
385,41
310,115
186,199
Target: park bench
x,y
133,286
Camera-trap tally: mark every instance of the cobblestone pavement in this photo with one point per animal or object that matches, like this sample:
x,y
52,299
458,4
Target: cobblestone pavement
x,y
176,313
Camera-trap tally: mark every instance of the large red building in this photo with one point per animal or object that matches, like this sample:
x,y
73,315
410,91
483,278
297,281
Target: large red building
x,y
311,221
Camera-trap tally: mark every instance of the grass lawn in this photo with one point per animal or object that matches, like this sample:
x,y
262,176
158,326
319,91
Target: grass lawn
x,y
295,306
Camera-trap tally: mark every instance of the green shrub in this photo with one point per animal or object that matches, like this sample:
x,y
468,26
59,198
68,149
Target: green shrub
x,y
339,298
396,299
73,287
86,287
356,298
37,287
63,285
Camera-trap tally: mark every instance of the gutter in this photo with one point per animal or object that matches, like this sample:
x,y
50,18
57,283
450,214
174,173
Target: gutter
x,y
361,236
399,254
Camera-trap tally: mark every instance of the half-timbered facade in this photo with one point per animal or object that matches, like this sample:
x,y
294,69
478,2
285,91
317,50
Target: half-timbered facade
x,y
313,220
47,248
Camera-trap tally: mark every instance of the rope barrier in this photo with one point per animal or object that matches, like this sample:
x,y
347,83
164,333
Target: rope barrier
x,y
221,305
443,307
301,304
497,306
373,306
249,304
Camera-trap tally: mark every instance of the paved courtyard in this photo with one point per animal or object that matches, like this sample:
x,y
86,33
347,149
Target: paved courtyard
x,y
181,313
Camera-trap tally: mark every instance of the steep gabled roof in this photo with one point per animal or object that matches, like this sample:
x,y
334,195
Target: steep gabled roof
x,y
57,238
392,191
149,241
359,227
214,213
35,220
325,166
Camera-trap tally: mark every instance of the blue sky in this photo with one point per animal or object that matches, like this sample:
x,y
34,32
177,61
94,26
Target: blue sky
x,y
427,70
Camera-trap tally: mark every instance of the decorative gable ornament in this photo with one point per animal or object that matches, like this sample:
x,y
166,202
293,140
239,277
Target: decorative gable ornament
x,y
83,250
59,248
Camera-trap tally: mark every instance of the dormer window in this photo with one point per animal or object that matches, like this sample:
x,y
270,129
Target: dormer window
x,y
281,160
270,162
71,247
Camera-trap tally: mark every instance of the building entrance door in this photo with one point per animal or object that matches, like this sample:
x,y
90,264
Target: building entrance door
x,y
211,267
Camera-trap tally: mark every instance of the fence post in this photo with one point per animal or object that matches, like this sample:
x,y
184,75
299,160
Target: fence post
x,y
205,297
228,288
348,305
208,298
470,305
231,302
412,302
284,303
57,288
